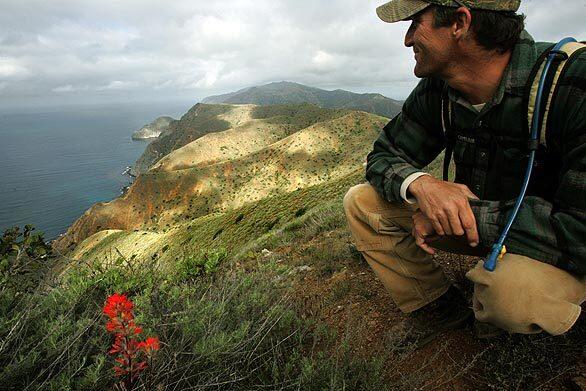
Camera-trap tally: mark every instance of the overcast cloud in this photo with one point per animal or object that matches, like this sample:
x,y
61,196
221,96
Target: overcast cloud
x,y
66,51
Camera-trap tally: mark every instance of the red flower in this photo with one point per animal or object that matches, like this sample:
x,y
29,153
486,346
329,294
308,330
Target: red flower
x,y
150,345
118,304
128,350
112,326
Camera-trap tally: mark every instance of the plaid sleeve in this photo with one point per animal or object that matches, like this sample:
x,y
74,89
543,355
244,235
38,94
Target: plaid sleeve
x,y
409,142
532,233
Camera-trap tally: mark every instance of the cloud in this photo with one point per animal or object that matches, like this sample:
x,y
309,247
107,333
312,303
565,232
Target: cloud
x,y
112,86
67,88
194,48
323,60
11,69
118,85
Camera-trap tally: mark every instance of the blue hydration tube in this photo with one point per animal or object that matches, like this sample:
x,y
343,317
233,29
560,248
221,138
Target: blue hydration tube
x,y
499,249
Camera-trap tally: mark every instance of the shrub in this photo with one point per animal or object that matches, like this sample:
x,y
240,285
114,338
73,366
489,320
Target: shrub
x,y
203,262
24,257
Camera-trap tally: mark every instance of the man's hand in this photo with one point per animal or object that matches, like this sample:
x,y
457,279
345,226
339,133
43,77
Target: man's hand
x,y
423,232
446,205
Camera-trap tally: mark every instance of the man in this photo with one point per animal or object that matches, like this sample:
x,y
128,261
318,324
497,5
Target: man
x,y
475,60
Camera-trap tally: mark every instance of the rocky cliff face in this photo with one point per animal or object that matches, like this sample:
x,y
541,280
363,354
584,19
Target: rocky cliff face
x,y
266,151
154,129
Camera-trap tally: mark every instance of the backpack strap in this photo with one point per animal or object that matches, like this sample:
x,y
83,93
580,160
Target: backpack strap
x,y
566,56
446,113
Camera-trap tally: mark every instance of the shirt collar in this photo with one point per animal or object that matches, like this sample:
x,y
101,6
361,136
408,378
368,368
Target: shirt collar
x,y
520,65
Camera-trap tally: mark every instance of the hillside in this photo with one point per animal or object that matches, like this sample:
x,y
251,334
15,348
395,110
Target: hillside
x,y
295,146
206,117
198,121
291,292
288,92
236,254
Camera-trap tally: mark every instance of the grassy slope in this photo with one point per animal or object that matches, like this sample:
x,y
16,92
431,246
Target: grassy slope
x,y
232,230
308,243
315,154
200,120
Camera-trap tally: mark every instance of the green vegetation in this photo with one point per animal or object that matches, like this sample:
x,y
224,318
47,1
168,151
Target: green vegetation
x,y
286,93
229,331
205,262
23,259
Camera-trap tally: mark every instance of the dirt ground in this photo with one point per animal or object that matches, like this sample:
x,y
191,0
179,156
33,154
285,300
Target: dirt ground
x,y
350,300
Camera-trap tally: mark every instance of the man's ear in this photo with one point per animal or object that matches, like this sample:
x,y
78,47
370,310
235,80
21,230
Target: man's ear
x,y
461,27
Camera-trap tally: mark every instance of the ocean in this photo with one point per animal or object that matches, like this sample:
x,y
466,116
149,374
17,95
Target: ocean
x,y
55,164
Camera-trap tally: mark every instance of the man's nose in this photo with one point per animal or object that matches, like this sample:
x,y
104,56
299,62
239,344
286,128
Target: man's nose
x,y
409,35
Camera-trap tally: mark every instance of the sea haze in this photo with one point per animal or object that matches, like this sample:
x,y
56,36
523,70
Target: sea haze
x,y
55,164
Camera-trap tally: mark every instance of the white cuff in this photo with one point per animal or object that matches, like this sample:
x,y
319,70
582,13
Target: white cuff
x,y
405,186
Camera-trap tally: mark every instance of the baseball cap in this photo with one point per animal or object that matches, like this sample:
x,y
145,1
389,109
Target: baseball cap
x,y
397,10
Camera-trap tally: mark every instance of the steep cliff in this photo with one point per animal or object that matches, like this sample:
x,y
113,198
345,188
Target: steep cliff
x,y
153,129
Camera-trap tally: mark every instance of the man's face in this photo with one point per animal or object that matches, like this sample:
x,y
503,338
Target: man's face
x,y
432,46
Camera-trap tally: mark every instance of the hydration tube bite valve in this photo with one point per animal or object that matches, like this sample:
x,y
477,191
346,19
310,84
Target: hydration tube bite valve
x,y
498,249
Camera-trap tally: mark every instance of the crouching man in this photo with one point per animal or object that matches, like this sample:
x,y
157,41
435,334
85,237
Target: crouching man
x,y
475,60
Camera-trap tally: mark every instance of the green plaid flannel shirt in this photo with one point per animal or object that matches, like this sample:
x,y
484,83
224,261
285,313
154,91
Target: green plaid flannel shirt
x,y
552,232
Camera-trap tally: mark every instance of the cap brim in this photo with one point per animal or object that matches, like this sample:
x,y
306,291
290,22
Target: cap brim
x,y
397,10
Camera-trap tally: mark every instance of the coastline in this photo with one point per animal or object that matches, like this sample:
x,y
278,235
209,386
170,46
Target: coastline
x,y
50,184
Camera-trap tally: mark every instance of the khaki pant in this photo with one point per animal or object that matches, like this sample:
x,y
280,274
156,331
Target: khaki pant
x,y
521,296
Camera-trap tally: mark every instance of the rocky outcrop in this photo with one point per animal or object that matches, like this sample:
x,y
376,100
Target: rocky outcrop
x,y
154,129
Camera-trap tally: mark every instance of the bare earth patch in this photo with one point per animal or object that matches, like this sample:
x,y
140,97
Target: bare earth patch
x,y
348,298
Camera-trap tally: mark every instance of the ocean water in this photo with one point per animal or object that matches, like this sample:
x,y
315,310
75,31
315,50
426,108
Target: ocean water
x,y
55,164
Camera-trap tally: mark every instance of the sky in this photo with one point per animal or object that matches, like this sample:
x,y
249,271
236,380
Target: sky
x,y
67,52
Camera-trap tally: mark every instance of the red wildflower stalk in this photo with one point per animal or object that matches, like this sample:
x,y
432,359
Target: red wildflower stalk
x,y
131,354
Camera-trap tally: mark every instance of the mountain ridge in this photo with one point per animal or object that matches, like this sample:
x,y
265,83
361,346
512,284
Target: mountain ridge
x,y
201,118
290,92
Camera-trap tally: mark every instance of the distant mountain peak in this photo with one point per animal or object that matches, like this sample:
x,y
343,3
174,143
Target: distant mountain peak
x,y
285,92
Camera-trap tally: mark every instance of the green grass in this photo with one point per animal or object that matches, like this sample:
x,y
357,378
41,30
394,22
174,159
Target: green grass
x,y
225,331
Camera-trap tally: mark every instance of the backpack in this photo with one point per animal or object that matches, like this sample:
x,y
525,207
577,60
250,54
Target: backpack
x,y
565,56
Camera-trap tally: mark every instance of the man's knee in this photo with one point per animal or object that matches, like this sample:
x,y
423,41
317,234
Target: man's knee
x,y
360,198
501,297
525,296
